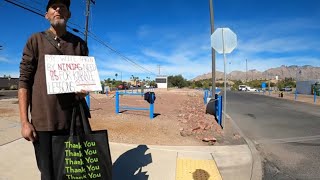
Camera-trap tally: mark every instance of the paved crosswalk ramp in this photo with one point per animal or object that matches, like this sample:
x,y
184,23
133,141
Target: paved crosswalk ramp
x,y
191,169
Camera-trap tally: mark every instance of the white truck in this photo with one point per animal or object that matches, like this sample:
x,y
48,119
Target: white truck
x,y
246,88
242,87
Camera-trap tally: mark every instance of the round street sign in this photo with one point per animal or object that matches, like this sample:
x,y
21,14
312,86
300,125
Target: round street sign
x,y
223,40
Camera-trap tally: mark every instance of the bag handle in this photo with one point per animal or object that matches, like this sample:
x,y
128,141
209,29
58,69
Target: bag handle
x,y
73,120
83,120
52,42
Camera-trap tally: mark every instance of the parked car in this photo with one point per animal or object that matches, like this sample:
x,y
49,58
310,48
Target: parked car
x,y
250,89
287,88
122,86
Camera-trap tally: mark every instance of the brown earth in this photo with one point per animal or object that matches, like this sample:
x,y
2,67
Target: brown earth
x,y
180,119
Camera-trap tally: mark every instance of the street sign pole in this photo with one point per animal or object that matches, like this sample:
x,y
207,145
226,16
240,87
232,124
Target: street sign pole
x,y
223,40
225,84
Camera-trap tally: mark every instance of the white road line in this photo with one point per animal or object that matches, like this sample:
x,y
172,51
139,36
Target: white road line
x,y
287,140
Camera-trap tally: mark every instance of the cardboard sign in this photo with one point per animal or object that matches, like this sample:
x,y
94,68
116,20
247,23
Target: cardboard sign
x,y
66,74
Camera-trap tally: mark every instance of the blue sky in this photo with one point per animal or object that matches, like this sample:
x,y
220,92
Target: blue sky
x,y
175,34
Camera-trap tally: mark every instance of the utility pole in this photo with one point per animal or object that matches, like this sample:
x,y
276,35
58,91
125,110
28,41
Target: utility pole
x,y
213,52
87,19
246,70
86,36
159,69
269,82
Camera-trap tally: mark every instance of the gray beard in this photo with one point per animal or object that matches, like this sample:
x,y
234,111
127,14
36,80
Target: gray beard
x,y
58,23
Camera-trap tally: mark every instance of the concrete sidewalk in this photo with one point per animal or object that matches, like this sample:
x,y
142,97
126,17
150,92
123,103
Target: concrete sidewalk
x,y
138,161
233,162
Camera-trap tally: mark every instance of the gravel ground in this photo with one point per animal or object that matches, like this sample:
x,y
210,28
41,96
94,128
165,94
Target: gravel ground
x,y
180,119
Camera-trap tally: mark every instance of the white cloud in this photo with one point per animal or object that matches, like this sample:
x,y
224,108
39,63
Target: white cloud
x,y
266,45
3,59
278,45
14,74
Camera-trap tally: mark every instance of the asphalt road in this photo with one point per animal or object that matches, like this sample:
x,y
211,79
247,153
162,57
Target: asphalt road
x,y
286,133
4,94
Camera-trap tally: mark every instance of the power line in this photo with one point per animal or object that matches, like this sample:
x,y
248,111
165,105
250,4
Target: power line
x,y
93,36
24,8
38,13
118,53
27,5
96,38
38,2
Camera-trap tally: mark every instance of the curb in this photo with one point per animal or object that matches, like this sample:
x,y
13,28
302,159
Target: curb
x,y
256,171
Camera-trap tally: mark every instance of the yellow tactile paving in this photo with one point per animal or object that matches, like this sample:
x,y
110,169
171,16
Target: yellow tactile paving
x,y
190,169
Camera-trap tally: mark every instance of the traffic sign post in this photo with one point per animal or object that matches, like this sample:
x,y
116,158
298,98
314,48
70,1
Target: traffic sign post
x,y
224,40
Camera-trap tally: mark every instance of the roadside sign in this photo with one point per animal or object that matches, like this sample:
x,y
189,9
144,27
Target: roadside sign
x,y
223,40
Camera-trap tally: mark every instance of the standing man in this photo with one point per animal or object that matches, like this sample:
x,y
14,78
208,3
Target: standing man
x,y
50,114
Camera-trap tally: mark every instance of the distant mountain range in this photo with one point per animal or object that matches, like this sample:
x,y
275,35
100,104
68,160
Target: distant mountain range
x,y
306,72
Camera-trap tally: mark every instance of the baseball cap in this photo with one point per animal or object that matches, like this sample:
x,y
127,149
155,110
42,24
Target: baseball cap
x,y
65,2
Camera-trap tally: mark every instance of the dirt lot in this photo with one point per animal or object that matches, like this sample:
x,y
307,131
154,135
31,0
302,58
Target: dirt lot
x,y
180,119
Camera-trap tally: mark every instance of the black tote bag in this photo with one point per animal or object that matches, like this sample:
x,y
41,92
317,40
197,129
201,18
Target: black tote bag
x,y
83,154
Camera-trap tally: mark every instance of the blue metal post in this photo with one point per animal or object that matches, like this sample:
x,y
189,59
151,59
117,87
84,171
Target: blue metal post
x,y
315,96
151,107
220,110
216,105
205,96
295,95
117,102
88,100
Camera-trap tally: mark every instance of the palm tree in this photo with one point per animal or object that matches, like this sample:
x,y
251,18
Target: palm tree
x,y
116,75
135,79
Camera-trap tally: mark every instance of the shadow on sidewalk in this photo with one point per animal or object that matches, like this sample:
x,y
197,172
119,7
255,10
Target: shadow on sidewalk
x,y
129,164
